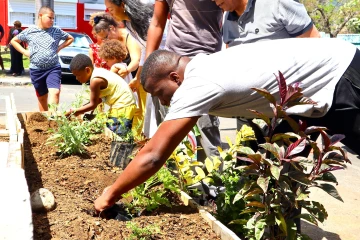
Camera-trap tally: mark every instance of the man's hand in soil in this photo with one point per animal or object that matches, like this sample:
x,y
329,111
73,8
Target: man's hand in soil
x,y
148,161
103,202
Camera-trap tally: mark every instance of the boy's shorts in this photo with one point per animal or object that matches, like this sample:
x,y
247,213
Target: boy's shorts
x,y
43,79
122,118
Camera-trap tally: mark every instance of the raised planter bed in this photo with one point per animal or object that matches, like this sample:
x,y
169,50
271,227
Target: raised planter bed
x,y
77,180
15,220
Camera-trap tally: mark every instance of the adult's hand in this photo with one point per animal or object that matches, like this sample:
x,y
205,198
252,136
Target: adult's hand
x,y
103,202
134,84
120,69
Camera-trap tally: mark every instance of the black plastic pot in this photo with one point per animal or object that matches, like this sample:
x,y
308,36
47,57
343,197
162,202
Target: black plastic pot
x,y
120,153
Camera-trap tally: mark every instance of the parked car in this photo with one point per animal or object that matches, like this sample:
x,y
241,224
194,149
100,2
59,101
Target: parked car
x,y
79,45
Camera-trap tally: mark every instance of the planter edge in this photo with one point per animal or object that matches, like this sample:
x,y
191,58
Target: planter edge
x,y
220,229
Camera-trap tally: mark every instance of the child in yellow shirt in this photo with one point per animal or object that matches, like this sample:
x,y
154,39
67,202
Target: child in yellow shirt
x,y
108,86
114,52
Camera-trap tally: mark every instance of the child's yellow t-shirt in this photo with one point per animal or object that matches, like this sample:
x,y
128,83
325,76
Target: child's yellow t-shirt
x,y
118,93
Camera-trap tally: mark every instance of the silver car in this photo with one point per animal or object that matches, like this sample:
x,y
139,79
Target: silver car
x,y
79,45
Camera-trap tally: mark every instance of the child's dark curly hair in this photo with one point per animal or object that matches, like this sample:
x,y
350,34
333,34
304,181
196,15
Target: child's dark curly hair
x,y
111,49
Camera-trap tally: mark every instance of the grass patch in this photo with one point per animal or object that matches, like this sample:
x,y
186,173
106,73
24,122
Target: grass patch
x,y
6,58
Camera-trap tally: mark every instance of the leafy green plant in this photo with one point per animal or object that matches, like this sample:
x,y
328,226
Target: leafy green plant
x,y
269,192
71,135
149,195
141,232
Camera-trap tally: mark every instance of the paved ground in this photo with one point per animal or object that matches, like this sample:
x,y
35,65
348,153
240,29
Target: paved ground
x,y
343,220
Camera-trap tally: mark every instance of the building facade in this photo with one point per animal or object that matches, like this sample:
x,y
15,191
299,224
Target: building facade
x,y
70,15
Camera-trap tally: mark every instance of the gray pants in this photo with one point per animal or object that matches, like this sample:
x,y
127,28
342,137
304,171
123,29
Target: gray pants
x,y
208,125
209,138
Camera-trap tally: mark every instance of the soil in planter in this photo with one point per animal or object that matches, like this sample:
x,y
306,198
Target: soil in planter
x,y
76,181
3,138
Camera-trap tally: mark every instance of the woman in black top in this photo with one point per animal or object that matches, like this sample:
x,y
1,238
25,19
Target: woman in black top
x,y
17,66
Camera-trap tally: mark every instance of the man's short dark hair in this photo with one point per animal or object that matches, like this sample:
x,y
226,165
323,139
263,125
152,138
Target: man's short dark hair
x,y
159,65
80,62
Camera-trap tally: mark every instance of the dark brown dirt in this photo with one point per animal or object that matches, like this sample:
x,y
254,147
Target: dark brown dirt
x,y
76,181
3,139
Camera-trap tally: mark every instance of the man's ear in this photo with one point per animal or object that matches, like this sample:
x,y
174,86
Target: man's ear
x,y
174,76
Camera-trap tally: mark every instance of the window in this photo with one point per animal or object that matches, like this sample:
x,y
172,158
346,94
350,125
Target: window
x,y
65,21
24,18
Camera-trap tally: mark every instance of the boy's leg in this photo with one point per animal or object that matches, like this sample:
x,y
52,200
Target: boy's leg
x,y
38,79
43,102
54,96
53,82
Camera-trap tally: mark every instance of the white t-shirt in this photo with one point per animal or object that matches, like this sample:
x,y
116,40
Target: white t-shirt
x,y
220,84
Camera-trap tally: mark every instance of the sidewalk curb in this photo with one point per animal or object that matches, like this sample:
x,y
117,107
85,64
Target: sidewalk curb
x,y
14,83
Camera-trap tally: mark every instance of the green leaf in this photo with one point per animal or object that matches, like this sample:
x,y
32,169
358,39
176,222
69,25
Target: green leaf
x,y
316,209
299,177
328,177
245,150
255,157
280,136
266,94
255,204
294,125
265,118
260,228
263,183
330,189
239,221
271,148
308,217
302,196
280,220
209,165
252,193
200,172
275,171
312,129
291,230
237,197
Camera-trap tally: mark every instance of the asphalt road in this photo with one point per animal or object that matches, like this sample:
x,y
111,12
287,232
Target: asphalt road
x,y
25,98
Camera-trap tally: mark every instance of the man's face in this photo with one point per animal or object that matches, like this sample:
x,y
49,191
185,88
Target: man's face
x,y
228,5
163,89
82,75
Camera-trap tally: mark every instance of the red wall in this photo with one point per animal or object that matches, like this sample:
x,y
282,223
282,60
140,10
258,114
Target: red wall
x,y
82,25
4,20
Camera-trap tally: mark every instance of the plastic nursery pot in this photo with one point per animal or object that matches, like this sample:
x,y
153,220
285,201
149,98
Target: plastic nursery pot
x,y
120,153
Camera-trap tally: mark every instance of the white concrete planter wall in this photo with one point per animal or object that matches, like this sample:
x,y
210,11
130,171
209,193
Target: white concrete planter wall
x,y
16,215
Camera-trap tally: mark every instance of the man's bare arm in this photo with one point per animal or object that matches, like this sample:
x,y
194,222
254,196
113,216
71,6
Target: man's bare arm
x,y
157,26
311,33
148,161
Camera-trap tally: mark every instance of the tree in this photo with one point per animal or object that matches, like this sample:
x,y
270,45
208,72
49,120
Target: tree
x,y
332,16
